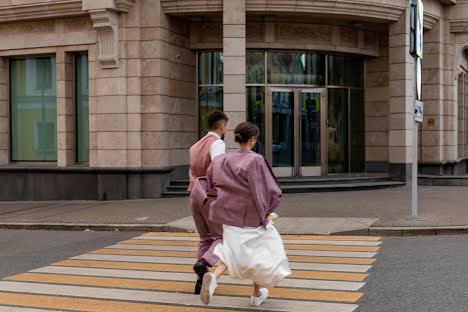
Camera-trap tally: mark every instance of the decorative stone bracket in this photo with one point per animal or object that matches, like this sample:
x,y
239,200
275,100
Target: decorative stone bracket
x,y
107,26
105,16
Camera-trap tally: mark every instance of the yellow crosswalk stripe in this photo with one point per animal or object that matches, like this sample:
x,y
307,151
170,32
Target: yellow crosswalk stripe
x,y
304,237
287,246
285,293
92,305
188,269
190,254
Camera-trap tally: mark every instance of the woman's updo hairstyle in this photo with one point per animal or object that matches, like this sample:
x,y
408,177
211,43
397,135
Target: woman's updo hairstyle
x,y
244,131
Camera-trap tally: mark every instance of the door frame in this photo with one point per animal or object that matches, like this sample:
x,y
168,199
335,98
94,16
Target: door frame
x,y
297,170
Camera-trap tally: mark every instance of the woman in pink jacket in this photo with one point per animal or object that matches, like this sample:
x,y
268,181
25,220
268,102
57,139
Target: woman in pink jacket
x,y
248,193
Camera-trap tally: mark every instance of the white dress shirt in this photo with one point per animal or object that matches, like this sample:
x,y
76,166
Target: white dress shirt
x,y
218,147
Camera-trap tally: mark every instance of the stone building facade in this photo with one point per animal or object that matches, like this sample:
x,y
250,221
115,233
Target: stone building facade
x,y
101,99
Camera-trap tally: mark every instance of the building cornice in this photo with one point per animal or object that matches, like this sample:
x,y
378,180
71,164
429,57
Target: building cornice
x,y
49,9
366,9
55,9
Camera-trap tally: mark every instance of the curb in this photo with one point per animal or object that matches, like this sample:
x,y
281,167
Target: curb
x,y
417,231
372,231
91,227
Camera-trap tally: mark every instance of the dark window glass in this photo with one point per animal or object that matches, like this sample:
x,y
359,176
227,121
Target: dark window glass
x,y
33,109
209,100
255,67
296,68
345,71
82,108
256,114
337,130
357,127
310,103
210,68
283,129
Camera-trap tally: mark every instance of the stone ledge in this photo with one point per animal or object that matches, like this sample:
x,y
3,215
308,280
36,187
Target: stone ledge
x,y
49,9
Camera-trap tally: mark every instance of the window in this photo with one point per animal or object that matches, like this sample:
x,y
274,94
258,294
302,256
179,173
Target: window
x,y
33,119
296,68
346,71
82,108
210,87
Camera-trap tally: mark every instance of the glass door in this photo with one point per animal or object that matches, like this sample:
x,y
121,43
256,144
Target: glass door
x,y
312,110
294,131
280,131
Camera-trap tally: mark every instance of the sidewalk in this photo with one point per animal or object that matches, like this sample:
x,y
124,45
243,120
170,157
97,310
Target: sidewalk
x,y
441,209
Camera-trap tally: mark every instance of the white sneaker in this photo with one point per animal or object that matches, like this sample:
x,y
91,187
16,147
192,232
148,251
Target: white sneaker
x,y
256,301
208,287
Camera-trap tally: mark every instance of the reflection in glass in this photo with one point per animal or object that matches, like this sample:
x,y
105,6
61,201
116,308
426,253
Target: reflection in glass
x,y
310,129
337,130
209,100
296,68
82,108
358,151
345,71
256,114
255,67
210,68
33,109
283,129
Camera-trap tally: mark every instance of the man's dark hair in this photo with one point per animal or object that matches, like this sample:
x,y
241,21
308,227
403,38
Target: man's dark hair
x,y
216,119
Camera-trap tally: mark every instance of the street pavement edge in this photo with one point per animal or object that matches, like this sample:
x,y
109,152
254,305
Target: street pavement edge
x,y
371,231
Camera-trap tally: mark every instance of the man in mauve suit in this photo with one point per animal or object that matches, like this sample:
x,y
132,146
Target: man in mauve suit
x,y
201,154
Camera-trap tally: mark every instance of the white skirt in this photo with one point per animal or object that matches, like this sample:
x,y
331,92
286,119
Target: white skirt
x,y
255,254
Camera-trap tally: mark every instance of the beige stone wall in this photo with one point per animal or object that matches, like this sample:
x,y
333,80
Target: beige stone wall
x,y
168,99
377,101
234,50
432,138
402,93
4,124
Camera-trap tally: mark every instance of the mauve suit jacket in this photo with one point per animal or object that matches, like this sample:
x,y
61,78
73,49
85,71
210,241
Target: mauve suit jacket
x,y
247,189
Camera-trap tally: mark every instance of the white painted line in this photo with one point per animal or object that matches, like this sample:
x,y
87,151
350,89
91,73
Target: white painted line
x,y
188,261
286,241
172,298
191,277
320,253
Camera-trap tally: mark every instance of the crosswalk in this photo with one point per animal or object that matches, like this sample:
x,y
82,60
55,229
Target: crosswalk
x,y
153,272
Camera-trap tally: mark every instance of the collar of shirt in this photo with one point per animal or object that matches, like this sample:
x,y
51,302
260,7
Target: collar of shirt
x,y
214,134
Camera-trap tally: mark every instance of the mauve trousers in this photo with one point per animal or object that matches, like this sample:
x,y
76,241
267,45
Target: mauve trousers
x,y
211,234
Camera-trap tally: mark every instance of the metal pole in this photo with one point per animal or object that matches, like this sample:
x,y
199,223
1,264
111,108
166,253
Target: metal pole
x,y
414,209
414,175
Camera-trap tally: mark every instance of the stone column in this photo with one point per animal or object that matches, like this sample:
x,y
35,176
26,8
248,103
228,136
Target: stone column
x,y
234,20
65,109
377,119
4,125
133,50
433,95
402,96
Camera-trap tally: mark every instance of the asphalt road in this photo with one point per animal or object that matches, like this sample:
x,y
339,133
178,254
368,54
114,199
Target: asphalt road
x,y
21,251
411,274
418,274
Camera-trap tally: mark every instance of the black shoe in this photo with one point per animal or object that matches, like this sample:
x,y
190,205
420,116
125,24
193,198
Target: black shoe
x,y
199,268
197,288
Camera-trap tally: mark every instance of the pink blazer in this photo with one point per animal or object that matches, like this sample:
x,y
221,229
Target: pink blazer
x,y
247,189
